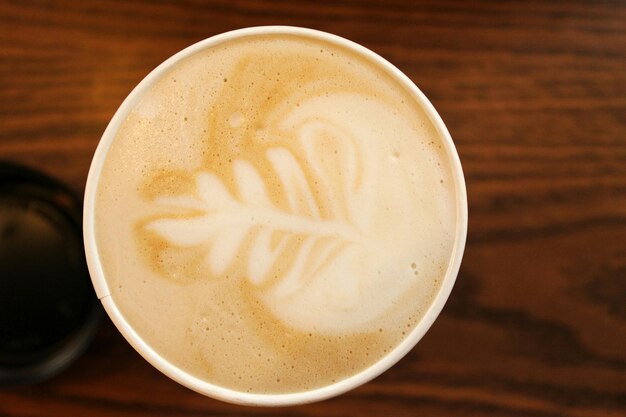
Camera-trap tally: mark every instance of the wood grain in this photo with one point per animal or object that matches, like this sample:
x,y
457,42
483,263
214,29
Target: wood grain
x,y
534,94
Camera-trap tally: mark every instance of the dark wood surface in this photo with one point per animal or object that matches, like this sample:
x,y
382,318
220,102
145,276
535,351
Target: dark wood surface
x,y
534,94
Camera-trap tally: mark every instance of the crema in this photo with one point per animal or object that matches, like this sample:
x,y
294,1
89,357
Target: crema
x,y
275,214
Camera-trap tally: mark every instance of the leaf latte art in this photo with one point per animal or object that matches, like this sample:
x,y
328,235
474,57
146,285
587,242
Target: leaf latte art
x,y
321,288
275,214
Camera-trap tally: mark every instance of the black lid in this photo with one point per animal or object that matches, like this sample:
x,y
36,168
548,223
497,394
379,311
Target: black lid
x,y
48,308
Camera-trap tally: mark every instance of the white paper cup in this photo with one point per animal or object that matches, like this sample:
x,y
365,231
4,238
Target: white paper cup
x,y
100,280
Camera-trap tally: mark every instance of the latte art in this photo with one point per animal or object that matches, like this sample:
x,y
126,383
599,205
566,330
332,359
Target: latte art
x,y
275,214
328,223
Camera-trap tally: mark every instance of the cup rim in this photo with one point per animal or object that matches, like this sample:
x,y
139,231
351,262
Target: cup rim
x,y
231,395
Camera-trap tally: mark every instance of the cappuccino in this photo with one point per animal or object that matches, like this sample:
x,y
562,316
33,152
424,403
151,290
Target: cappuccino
x,y
275,214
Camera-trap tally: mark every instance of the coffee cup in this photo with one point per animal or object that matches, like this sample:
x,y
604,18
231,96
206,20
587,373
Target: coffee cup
x,y
274,216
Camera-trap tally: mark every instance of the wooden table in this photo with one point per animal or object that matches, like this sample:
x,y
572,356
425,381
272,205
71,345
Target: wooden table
x,y
534,94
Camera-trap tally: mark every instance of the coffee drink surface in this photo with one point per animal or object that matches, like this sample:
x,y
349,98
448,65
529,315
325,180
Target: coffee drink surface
x,y
275,214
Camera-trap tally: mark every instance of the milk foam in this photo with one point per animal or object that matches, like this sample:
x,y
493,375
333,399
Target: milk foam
x,y
334,284
293,182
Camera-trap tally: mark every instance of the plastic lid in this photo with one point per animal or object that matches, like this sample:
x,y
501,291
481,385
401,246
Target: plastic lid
x,y
48,309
